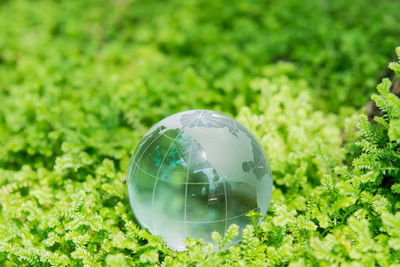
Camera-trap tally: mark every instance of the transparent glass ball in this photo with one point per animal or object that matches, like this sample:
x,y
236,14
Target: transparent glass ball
x,y
196,172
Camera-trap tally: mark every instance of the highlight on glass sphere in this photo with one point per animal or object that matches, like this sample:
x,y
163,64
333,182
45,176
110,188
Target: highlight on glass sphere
x,y
196,172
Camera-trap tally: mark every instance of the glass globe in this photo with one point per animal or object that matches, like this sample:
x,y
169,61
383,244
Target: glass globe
x,y
196,172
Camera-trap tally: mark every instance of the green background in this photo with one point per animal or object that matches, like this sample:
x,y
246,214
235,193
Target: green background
x,y
81,82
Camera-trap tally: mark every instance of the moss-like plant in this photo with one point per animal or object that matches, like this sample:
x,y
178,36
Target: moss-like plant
x,y
81,82
327,207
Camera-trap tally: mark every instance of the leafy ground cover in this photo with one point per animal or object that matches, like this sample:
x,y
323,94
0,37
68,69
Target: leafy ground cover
x,y
81,81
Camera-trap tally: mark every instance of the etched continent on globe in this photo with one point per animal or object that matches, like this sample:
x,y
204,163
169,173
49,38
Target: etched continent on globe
x,y
196,172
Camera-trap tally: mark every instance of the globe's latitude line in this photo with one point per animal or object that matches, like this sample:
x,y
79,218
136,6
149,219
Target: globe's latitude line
x,y
175,182
166,181
212,221
170,138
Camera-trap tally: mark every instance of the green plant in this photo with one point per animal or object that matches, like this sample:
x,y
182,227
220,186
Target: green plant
x,y
81,82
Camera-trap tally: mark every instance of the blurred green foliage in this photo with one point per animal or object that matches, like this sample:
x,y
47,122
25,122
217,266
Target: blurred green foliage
x,y
81,81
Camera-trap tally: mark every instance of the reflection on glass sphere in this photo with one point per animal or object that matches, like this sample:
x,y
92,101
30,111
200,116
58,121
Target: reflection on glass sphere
x,y
196,172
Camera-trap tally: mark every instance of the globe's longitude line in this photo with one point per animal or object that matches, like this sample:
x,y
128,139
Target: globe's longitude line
x,y
187,177
136,165
176,182
234,122
226,208
165,156
226,196
235,127
258,147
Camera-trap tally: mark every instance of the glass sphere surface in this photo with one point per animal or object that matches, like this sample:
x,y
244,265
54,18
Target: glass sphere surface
x,y
196,172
